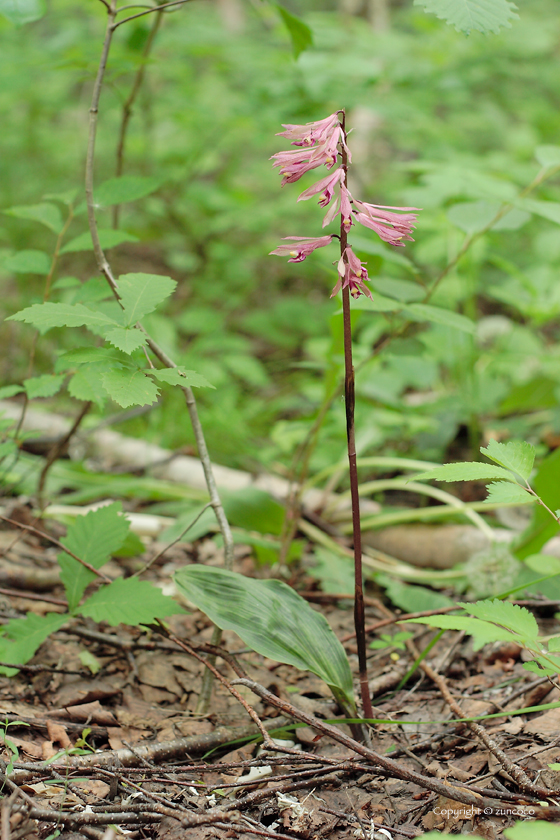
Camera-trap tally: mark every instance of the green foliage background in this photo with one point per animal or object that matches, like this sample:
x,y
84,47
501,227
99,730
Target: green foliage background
x,y
441,121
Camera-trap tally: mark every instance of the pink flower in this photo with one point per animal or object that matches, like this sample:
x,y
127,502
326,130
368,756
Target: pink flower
x,y
311,133
296,162
352,274
389,226
325,186
301,248
346,208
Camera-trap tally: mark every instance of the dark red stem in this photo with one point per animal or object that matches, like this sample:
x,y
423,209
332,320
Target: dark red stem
x,y
359,618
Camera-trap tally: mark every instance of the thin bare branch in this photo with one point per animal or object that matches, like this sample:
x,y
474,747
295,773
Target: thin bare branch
x,y
149,11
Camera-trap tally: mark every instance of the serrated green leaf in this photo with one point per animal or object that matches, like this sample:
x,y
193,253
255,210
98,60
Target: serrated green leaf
x,y
88,355
299,32
107,238
129,601
47,214
93,538
483,632
124,189
129,387
425,312
180,376
21,637
28,262
271,618
504,493
141,293
469,471
548,156
511,616
474,216
87,385
127,340
465,15
19,12
540,669
46,316
8,391
43,386
516,455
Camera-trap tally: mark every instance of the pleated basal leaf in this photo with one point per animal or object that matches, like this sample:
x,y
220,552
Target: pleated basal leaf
x,y
129,601
141,293
272,619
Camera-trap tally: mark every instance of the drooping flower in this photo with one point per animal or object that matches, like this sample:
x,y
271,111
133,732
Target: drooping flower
x,y
351,274
346,213
311,133
325,187
301,247
390,226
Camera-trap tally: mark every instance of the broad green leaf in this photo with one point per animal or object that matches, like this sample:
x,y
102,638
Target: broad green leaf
x,y
87,385
129,387
380,303
43,386
482,632
127,340
47,214
254,510
469,471
88,355
504,493
22,636
108,239
465,15
474,216
28,262
533,830
425,312
546,209
548,156
514,618
546,485
180,376
336,573
124,189
45,316
299,32
8,391
412,598
543,564
19,12
516,455
129,601
142,293
93,538
271,618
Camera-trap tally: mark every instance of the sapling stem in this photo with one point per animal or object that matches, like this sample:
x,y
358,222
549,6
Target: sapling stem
x,y
105,268
350,402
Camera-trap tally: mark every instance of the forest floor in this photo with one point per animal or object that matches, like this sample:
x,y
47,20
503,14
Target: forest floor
x,y
125,747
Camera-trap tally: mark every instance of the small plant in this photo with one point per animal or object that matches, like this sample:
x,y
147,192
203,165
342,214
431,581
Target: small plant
x,y
8,743
324,143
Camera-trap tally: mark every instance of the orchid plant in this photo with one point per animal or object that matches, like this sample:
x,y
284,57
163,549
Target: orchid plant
x,y
324,143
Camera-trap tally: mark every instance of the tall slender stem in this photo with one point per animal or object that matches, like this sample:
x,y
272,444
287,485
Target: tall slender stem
x,y
350,400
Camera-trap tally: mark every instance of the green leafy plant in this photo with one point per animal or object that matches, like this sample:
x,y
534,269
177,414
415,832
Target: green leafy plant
x,y
8,743
90,541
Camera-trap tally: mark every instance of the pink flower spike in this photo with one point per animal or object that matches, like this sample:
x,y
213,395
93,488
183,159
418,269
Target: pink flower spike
x,y
325,186
301,248
311,133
